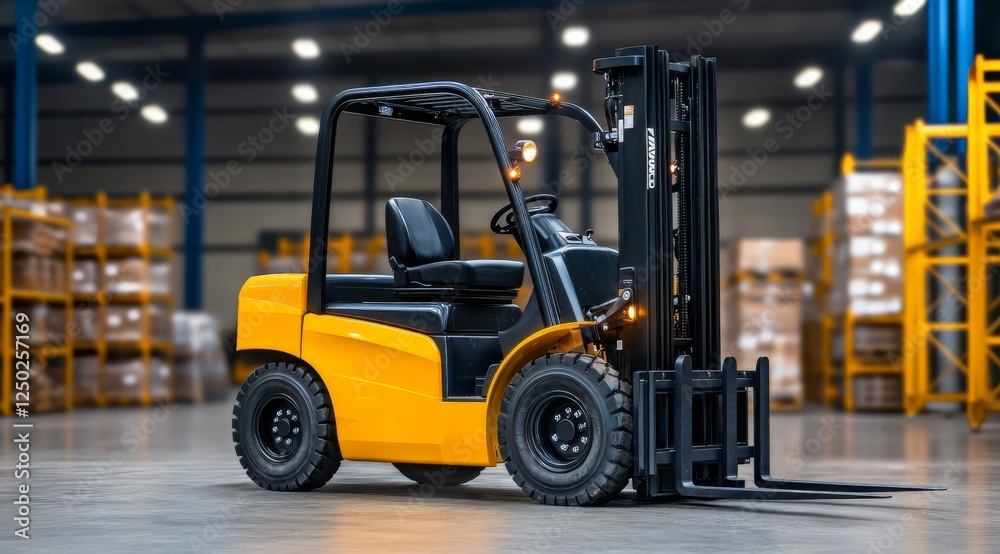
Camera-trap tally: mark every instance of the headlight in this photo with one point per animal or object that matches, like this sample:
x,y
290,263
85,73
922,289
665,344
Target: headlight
x,y
524,151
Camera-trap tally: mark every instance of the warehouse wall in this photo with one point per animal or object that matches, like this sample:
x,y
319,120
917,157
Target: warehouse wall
x,y
774,201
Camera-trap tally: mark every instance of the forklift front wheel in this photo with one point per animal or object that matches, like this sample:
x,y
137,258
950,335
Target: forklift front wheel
x,y
437,475
284,430
565,430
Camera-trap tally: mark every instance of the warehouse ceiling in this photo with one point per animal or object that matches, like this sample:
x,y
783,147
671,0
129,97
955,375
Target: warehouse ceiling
x,y
252,36
761,46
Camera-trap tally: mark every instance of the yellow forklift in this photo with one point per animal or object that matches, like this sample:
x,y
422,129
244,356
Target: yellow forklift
x,y
610,375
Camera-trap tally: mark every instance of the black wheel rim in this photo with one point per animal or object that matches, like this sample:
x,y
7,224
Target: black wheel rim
x,y
559,431
278,428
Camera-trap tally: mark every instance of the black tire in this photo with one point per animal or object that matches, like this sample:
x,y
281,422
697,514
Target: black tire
x,y
439,476
303,457
537,445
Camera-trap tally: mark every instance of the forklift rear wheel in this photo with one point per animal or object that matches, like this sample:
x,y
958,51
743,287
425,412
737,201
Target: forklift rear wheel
x,y
439,475
283,426
565,430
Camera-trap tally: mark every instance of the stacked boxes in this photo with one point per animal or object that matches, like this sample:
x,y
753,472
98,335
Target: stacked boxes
x,y
867,286
868,245
763,312
201,370
121,283
762,257
132,323
86,376
878,392
36,251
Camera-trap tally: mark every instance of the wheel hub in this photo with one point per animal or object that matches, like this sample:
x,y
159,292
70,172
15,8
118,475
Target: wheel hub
x,y
561,432
565,430
279,430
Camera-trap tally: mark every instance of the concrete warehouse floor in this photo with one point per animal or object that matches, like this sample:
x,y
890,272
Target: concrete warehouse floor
x,y
175,486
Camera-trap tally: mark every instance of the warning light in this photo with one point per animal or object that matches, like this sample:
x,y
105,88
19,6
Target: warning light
x,y
524,151
514,173
555,99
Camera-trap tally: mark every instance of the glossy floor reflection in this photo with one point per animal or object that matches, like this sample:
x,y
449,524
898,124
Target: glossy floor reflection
x,y
149,480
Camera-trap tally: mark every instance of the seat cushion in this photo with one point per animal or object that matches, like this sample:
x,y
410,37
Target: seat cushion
x,y
492,274
349,287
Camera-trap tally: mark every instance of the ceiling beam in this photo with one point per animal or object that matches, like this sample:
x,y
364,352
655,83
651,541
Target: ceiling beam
x,y
446,63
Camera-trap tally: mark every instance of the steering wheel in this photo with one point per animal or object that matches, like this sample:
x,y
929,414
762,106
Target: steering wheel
x,y
547,204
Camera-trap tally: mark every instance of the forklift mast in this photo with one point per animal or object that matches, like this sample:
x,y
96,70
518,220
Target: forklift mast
x,y
662,117
662,120
691,407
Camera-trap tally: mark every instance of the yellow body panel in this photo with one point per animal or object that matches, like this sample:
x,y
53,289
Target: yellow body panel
x,y
385,382
270,312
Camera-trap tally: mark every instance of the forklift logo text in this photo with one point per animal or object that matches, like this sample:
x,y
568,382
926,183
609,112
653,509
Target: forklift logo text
x,y
650,158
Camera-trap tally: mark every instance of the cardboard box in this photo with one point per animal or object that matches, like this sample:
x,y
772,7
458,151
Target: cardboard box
x,y
878,392
127,276
763,318
868,203
86,323
201,372
159,228
159,277
867,276
125,226
877,341
124,322
160,377
86,225
762,256
86,377
86,277
123,378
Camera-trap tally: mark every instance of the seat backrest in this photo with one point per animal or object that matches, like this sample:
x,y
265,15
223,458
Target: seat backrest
x,y
416,233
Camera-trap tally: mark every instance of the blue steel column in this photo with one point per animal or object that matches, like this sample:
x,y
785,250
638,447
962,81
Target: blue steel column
x,y
194,173
25,96
965,43
863,108
937,61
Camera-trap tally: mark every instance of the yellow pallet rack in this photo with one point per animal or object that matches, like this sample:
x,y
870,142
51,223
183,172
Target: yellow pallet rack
x,y
929,235
94,301
818,380
983,393
146,248
61,348
838,378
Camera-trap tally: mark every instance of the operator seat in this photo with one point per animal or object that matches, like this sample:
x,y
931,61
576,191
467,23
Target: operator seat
x,y
421,251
